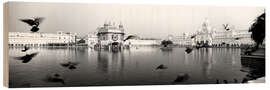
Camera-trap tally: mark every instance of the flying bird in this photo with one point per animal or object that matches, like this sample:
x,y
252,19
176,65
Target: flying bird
x,y
188,50
130,37
25,49
34,23
70,65
27,58
161,67
226,27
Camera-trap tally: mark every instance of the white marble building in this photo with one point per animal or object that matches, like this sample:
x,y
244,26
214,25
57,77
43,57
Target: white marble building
x,y
232,37
92,40
40,38
182,39
204,34
110,34
207,34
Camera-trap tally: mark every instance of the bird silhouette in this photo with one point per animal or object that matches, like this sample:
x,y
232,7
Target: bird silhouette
x,y
130,37
25,49
226,27
27,58
65,64
34,23
70,65
188,50
161,67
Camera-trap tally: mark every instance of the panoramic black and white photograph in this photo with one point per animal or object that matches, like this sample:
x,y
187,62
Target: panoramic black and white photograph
x,y
88,44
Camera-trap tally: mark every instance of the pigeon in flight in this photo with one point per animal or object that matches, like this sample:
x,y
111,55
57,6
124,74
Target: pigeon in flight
x,y
27,58
161,67
34,23
130,37
188,50
226,27
70,65
25,49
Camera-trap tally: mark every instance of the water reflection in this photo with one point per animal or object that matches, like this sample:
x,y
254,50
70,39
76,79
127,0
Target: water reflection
x,y
103,62
129,67
110,62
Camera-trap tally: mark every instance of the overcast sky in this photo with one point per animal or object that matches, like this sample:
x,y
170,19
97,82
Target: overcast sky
x,y
155,21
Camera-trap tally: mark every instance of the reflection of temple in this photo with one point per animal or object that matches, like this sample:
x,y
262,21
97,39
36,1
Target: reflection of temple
x,y
204,34
110,35
207,61
110,62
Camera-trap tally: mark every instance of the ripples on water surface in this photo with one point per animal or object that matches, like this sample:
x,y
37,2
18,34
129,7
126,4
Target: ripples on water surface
x,y
128,67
